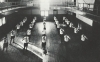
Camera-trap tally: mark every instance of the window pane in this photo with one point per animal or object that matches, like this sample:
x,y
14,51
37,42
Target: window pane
x,y
0,22
3,20
46,13
42,13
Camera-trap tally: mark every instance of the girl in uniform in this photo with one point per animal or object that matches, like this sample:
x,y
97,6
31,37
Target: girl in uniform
x,y
83,37
66,38
30,26
5,45
71,25
67,22
12,36
44,42
26,40
44,25
21,24
64,20
76,30
62,34
43,32
17,28
29,34
58,28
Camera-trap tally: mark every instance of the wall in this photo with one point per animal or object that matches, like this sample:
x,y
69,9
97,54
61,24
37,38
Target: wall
x,y
96,10
33,10
85,19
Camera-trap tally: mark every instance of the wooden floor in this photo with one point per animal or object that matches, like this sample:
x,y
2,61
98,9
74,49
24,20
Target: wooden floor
x,y
73,51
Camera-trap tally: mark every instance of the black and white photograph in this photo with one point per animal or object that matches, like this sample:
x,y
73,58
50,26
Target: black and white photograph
x,y
49,30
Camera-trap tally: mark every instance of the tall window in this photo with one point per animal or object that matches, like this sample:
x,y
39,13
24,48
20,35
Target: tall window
x,y
44,13
2,21
44,7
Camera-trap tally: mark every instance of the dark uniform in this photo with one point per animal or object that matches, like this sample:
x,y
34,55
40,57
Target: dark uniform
x,y
31,26
17,28
12,36
44,24
62,34
29,33
26,40
5,45
44,42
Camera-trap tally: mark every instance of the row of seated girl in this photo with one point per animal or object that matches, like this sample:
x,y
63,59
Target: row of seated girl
x,y
68,24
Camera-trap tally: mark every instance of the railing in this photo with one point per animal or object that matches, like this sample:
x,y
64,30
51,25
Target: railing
x,y
7,6
89,8
85,7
